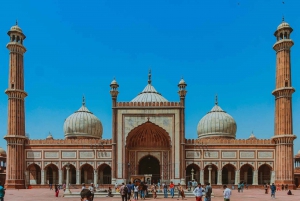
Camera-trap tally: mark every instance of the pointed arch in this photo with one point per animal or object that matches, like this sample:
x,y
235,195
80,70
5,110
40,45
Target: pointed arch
x,y
34,174
246,173
214,174
148,135
192,168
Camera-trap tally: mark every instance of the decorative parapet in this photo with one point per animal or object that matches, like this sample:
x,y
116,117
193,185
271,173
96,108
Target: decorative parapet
x,y
148,104
100,142
224,141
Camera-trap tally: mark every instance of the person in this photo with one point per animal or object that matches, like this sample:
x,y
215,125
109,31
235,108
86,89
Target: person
x,y
239,187
50,186
56,190
93,190
180,191
136,192
123,192
83,186
247,186
129,186
278,187
141,189
158,185
189,185
289,192
282,187
286,187
198,192
226,193
172,186
153,189
116,186
109,192
266,188
242,186
86,195
64,187
2,192
208,191
194,183
273,190
165,188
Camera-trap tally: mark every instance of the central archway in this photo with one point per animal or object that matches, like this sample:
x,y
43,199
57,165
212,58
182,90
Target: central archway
x,y
150,165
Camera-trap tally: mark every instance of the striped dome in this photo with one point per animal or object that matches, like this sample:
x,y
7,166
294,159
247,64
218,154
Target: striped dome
x,y
83,124
216,123
149,94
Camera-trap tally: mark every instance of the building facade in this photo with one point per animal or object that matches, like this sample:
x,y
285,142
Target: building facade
x,y
148,137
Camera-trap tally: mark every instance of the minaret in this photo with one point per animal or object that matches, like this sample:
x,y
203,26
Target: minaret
x,y
114,94
283,133
15,136
182,93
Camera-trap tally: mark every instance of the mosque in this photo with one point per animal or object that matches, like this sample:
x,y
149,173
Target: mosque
x,y
148,140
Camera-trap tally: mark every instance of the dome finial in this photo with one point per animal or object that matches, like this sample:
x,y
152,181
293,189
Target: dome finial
x,y
216,102
283,18
17,22
149,77
83,100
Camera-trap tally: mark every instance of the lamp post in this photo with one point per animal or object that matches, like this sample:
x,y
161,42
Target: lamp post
x,y
192,173
67,191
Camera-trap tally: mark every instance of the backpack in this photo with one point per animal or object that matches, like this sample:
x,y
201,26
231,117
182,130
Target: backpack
x,y
125,190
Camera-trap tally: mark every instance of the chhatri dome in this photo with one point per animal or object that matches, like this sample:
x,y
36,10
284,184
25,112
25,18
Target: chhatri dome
x,y
149,94
83,124
283,25
216,123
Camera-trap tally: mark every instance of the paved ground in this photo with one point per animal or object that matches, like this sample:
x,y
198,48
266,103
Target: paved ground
x,y
47,195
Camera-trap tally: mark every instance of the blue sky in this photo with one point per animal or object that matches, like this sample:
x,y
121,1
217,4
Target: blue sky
x,y
220,47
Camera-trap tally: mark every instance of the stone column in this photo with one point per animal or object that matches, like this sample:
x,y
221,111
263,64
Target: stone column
x,y
95,177
78,177
54,177
202,176
209,174
219,177
42,177
237,177
67,191
60,177
255,178
27,178
213,177
272,177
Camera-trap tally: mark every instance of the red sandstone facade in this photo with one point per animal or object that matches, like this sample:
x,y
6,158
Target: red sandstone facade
x,y
148,138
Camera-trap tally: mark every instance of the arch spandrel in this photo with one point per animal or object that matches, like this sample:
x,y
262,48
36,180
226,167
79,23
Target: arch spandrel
x,y
33,163
148,135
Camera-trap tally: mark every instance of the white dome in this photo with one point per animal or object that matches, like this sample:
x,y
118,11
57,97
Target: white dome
x,y
283,25
216,123
2,151
149,94
83,124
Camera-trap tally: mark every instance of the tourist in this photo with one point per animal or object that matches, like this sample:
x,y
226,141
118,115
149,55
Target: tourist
x,y
172,186
242,186
239,187
286,187
189,185
86,195
194,183
56,190
93,190
136,192
278,187
198,192
282,187
273,190
266,188
165,188
289,192
180,191
226,193
123,192
2,192
129,186
158,185
153,189
116,186
142,191
109,192
83,186
208,191
64,187
247,186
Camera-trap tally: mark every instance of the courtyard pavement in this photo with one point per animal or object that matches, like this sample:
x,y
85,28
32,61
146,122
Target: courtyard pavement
x,y
48,195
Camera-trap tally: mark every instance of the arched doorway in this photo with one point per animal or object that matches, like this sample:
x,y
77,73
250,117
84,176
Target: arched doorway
x,y
188,173
72,174
104,174
264,174
246,174
228,174
214,174
150,165
87,174
51,174
34,174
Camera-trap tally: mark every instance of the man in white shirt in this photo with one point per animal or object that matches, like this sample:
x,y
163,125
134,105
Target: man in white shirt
x,y
198,192
226,193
